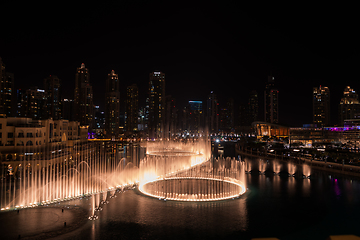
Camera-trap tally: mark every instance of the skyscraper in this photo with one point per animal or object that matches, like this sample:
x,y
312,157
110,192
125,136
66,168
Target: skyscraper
x,y
271,101
170,117
253,106
52,90
35,104
321,106
227,116
212,113
20,103
349,107
193,117
132,108
6,91
83,97
67,109
156,119
112,105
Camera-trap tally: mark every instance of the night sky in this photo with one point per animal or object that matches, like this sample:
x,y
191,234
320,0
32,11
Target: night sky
x,y
225,46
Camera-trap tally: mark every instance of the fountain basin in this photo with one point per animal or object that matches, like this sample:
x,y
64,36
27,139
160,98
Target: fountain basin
x,y
193,189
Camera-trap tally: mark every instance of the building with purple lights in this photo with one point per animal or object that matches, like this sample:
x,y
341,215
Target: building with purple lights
x,y
322,136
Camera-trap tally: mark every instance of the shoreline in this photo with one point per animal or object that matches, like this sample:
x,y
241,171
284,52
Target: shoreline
x,y
345,170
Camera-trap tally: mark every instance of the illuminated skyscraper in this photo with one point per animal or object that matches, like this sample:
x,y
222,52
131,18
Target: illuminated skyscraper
x,y
156,119
132,108
112,105
83,98
212,113
321,106
6,91
52,90
349,107
35,104
271,101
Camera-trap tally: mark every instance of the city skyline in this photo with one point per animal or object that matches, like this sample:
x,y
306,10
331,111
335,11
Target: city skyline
x,y
335,118
231,52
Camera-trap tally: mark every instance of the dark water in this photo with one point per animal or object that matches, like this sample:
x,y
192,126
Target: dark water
x,y
275,206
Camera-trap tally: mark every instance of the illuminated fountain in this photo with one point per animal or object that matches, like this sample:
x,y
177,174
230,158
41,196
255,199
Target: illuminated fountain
x,y
181,173
306,171
45,176
291,169
247,167
97,170
276,167
262,166
211,181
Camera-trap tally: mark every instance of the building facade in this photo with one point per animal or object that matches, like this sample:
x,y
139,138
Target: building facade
x,y
193,117
52,89
7,97
321,106
132,108
83,97
270,130
35,104
112,105
253,106
271,102
212,113
349,107
21,137
157,102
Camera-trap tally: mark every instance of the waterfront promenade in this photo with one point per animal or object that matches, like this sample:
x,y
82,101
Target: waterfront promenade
x,y
338,168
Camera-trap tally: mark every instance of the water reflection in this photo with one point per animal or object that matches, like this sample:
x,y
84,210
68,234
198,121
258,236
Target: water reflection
x,y
306,187
276,184
306,170
93,235
336,188
291,183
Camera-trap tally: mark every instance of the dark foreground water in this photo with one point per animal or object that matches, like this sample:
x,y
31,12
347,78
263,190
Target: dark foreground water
x,y
275,206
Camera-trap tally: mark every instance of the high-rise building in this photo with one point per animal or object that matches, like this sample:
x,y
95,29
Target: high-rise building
x,y
212,113
6,91
67,109
349,107
157,102
227,116
112,105
35,104
20,103
253,106
195,105
52,89
192,117
170,117
83,97
141,119
321,106
271,101
99,125
243,115
132,108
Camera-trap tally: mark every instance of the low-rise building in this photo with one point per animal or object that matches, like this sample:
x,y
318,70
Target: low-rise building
x,y
270,130
19,136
